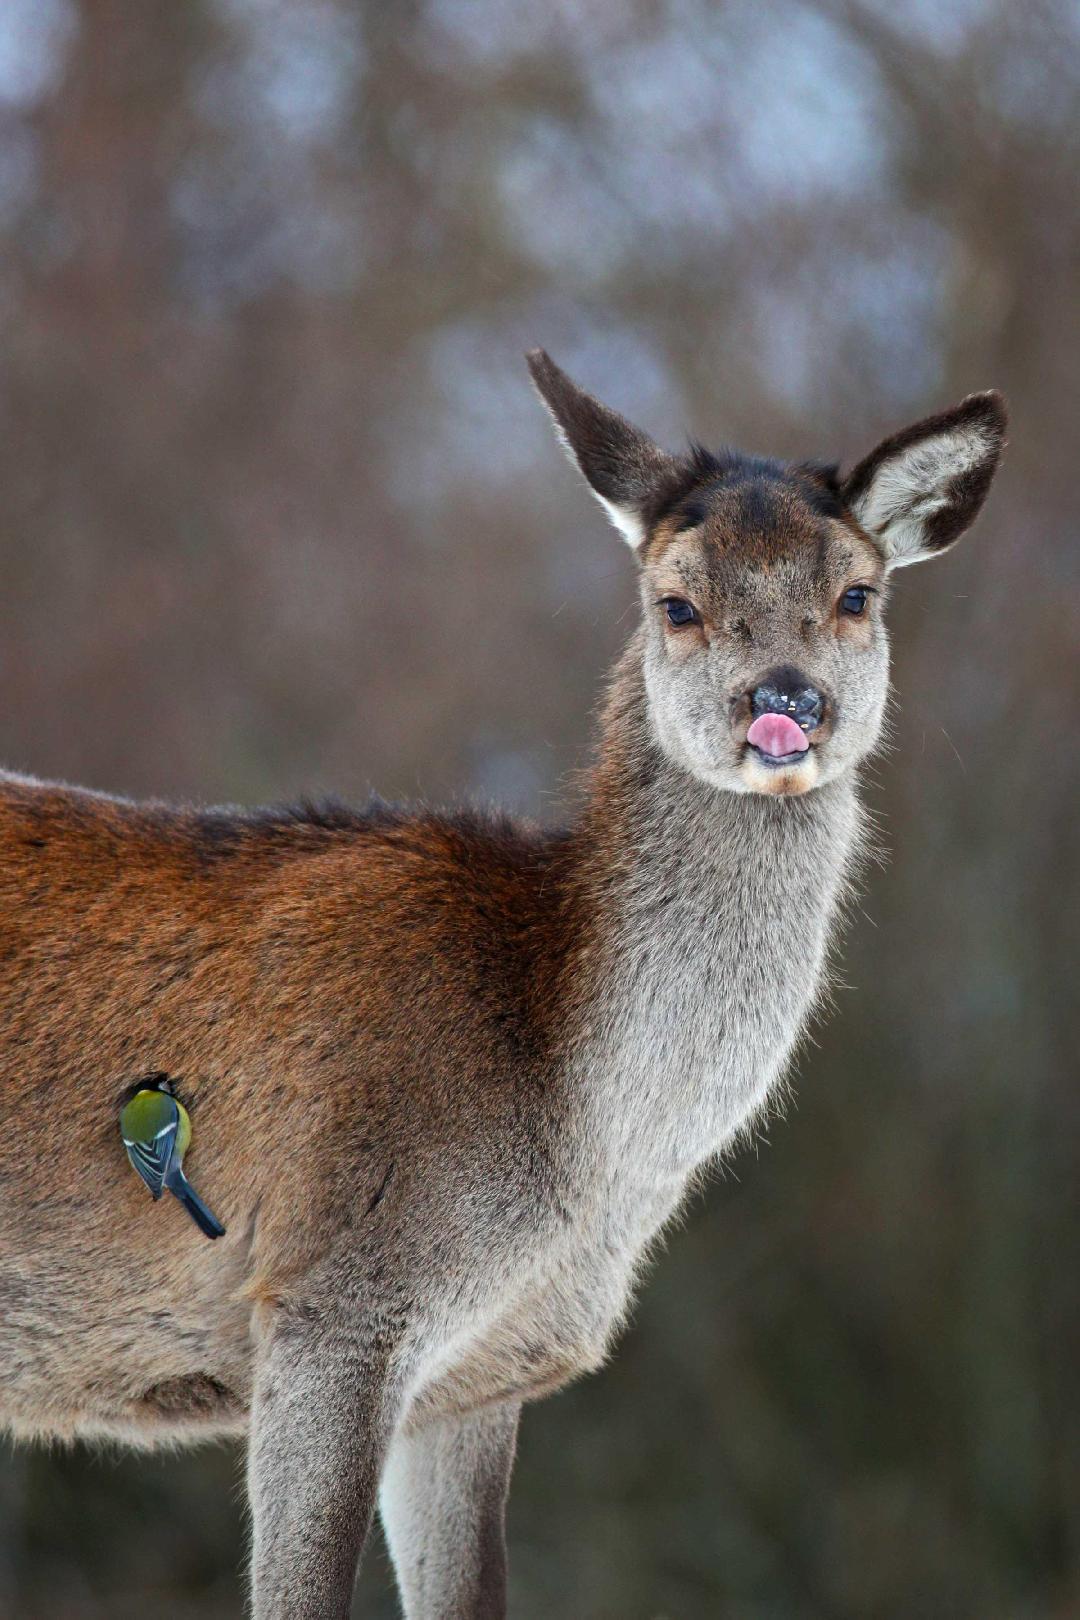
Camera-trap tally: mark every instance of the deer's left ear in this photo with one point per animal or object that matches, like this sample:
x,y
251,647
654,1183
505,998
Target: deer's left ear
x,y
919,490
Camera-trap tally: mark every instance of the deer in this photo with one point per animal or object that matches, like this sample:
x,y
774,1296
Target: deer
x,y
451,1075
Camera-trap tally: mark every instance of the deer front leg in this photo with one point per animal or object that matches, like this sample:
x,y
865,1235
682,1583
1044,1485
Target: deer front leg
x,y
443,1504
321,1417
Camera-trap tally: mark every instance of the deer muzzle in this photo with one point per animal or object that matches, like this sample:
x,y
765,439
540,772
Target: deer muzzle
x,y
786,708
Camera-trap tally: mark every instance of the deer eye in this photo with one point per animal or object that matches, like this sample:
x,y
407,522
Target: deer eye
x,y
854,600
679,613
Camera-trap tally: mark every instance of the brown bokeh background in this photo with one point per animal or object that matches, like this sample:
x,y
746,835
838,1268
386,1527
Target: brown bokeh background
x,y
280,514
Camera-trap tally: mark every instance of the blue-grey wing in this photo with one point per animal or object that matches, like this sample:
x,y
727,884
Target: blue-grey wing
x,y
152,1159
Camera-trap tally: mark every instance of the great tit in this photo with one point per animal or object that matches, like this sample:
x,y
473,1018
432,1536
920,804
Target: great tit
x,y
156,1129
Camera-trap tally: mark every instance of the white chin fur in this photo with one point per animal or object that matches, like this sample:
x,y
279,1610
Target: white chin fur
x,y
783,781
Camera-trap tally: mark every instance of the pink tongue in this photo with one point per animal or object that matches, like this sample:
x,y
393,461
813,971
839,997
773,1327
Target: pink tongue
x,y
776,734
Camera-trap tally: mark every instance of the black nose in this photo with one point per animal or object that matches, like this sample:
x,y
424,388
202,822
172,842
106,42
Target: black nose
x,y
787,691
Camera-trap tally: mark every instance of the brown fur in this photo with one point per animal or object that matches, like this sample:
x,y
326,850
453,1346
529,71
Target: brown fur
x,y
270,965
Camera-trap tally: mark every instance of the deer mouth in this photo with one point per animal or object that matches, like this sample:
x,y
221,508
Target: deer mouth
x,y
778,740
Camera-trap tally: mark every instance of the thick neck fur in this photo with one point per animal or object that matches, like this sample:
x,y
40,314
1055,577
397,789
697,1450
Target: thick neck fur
x,y
703,918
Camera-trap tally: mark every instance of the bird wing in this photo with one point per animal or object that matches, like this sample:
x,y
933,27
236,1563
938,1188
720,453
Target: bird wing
x,y
153,1157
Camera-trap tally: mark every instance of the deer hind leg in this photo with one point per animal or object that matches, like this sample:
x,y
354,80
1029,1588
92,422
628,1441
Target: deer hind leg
x,y
324,1408
443,1505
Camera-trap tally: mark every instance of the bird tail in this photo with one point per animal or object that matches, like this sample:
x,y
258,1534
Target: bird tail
x,y
204,1219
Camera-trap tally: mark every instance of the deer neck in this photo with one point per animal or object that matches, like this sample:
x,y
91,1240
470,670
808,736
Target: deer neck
x,y
705,919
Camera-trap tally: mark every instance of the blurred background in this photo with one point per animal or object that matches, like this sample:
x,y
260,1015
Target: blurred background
x,y
280,514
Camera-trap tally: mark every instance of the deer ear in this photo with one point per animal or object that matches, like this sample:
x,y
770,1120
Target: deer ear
x,y
919,490
624,469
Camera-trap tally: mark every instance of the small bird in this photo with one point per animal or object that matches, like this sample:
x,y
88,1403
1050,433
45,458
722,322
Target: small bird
x,y
156,1129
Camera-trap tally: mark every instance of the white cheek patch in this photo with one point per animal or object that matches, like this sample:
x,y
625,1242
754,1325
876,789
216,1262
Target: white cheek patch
x,y
913,484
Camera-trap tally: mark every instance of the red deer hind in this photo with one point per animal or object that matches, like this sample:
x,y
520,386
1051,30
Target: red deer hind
x,y
449,1075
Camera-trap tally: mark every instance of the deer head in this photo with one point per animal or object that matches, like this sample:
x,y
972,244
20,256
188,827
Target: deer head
x,y
763,582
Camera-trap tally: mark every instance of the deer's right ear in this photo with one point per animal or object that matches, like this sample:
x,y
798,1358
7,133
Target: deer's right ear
x,y
918,491
624,469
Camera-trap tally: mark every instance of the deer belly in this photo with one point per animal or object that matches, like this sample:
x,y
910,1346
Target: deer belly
x,y
83,1360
